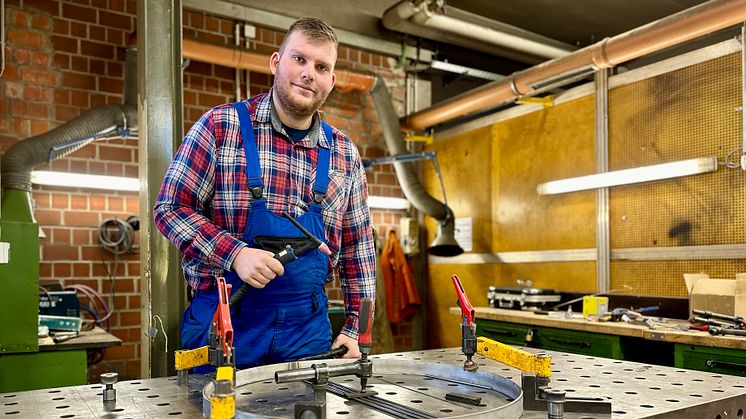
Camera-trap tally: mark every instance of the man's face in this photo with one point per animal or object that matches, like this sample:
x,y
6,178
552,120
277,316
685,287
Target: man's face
x,y
304,74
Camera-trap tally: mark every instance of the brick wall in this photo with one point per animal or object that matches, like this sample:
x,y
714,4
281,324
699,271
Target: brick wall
x,y
64,57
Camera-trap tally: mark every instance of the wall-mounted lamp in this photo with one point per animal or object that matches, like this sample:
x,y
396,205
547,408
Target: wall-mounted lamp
x,y
629,176
80,180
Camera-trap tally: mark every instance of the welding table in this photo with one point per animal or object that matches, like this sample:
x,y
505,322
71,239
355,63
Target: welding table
x,y
56,364
635,391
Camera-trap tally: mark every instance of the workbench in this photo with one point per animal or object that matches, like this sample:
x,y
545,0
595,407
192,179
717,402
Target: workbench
x,y
665,344
55,365
635,391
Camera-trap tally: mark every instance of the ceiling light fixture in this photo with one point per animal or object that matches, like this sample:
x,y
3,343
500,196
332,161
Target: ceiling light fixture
x,y
387,202
629,176
85,181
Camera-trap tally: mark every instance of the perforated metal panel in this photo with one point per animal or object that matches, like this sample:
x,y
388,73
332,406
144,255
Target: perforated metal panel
x,y
684,114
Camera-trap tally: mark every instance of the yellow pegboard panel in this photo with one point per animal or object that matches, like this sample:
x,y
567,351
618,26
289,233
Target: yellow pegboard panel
x,y
680,115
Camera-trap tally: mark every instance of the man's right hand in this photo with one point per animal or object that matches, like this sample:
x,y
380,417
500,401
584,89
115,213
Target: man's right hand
x,y
257,267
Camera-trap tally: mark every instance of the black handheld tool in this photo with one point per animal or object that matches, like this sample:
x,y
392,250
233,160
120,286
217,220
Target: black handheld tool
x,y
333,353
287,255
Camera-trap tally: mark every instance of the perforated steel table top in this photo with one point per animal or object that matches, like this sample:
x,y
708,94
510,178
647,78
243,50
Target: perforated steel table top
x,y
635,391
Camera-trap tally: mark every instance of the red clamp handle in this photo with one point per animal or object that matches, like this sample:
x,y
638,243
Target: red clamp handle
x,y
467,311
365,324
222,319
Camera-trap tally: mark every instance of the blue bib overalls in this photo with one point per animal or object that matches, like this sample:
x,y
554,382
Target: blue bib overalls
x,y
287,319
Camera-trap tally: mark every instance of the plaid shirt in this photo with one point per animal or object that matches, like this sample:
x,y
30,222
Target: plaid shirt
x,y
204,202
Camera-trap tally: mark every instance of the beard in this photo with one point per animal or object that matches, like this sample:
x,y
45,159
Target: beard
x,y
291,104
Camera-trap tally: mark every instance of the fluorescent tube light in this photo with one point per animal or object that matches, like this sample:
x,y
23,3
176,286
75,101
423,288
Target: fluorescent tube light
x,y
80,180
387,202
629,176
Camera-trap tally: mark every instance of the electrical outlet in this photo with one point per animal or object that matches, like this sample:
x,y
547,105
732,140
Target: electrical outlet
x,y
743,161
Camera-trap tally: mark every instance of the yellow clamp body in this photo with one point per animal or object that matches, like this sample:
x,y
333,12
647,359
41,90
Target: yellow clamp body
x,y
223,400
190,358
539,364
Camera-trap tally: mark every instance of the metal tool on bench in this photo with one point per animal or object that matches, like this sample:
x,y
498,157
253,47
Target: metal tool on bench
x,y
288,254
219,352
535,369
468,326
735,322
318,374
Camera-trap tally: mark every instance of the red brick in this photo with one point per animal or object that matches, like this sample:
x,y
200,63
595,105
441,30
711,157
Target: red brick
x,y
131,170
29,110
133,367
98,203
41,200
131,7
114,69
124,351
97,168
97,33
60,201
45,270
79,81
36,93
79,30
115,20
97,49
25,38
88,151
62,61
21,127
19,18
81,269
75,12
117,5
60,253
79,63
65,113
62,270
44,77
40,58
61,26
116,203
60,236
97,66
114,153
81,237
80,99
133,204
79,202
11,72
110,85
21,56
43,5
41,22
13,90
134,301
65,43
81,219
39,127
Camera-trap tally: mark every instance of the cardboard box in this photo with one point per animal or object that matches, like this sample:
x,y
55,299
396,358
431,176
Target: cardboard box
x,y
724,296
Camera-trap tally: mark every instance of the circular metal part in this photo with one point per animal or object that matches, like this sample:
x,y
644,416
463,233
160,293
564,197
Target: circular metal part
x,y
403,387
109,378
555,402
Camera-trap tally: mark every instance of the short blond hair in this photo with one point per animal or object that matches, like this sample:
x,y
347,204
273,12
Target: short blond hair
x,y
314,29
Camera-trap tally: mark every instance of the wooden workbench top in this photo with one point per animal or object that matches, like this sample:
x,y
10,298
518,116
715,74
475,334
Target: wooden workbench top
x,y
664,333
90,339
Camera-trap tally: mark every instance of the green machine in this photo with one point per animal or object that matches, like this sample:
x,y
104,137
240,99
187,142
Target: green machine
x,y
19,278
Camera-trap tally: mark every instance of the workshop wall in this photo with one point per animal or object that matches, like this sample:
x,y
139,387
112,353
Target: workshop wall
x,y
683,114
64,57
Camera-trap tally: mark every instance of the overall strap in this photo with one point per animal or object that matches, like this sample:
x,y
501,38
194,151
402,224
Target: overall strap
x,y
253,168
322,166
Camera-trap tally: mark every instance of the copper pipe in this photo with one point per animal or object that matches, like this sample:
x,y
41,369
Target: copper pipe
x,y
239,58
663,33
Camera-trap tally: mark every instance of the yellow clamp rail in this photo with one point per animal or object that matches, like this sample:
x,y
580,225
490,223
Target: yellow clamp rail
x,y
190,358
539,364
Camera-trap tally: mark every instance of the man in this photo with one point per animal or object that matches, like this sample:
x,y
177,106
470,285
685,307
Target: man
x,y
239,168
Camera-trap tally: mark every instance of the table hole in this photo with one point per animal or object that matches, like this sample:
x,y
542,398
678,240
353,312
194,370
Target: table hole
x,y
672,400
415,401
390,393
54,391
630,392
15,412
343,412
695,395
163,404
174,413
647,406
446,410
262,400
64,406
152,396
423,388
134,383
10,404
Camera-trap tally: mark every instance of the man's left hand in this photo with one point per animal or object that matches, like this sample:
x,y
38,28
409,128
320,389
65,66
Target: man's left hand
x,y
353,350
